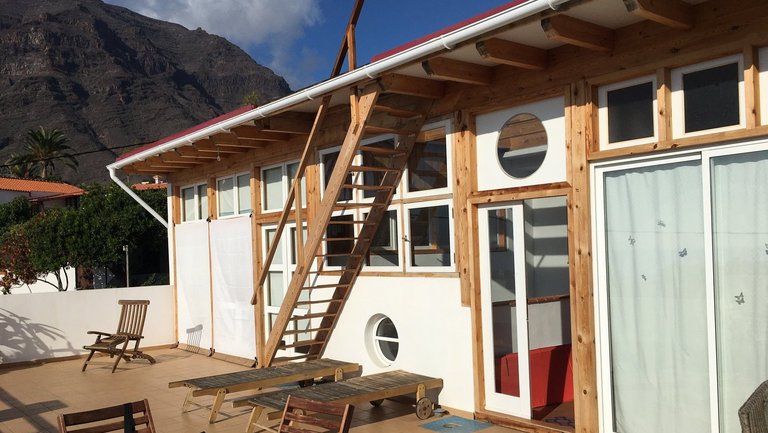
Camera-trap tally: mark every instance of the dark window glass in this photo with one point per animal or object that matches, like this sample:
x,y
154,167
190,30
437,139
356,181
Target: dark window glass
x,y
630,113
430,236
522,145
384,246
329,162
428,163
711,98
371,159
338,231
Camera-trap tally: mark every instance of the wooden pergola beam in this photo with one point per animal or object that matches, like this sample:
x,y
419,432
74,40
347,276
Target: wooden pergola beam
x,y
577,32
459,71
289,123
232,140
512,54
189,152
249,132
172,157
671,13
412,86
207,146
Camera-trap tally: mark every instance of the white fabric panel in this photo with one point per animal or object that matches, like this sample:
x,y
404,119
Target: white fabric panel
x,y
740,206
232,271
657,299
193,284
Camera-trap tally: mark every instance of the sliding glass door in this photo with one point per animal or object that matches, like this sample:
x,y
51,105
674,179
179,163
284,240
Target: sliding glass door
x,y
681,264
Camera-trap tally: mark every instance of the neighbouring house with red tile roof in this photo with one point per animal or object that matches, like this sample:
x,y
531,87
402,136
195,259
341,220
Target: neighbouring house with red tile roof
x,y
46,194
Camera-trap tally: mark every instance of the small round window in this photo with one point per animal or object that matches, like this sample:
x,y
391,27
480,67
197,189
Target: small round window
x,y
522,145
385,340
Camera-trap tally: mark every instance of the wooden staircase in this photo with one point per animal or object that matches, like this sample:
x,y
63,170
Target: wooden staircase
x,y
320,292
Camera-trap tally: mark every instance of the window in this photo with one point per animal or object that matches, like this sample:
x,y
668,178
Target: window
x,y
708,97
194,202
522,145
234,195
373,159
340,240
276,184
627,112
384,249
430,234
428,163
386,343
328,163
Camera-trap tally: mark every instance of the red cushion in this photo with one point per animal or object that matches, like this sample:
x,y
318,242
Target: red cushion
x,y
551,375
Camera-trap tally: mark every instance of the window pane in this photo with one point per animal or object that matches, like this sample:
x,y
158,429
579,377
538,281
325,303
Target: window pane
x,y
292,169
202,207
278,259
226,197
522,145
428,163
657,298
188,204
430,236
276,292
388,345
293,242
339,247
244,193
384,250
711,98
329,162
374,160
272,179
630,113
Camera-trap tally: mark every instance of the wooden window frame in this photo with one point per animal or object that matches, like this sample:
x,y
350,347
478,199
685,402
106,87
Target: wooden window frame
x,y
236,208
602,112
199,215
445,125
433,247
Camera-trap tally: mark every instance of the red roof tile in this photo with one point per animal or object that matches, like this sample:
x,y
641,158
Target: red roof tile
x,y
146,186
187,131
28,185
446,30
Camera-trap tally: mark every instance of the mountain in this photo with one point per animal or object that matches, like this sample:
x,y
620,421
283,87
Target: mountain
x,y
109,77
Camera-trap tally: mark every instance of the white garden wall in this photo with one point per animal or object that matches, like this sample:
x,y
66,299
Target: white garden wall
x,y
39,326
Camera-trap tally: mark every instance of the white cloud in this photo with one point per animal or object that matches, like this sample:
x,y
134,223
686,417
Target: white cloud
x,y
251,24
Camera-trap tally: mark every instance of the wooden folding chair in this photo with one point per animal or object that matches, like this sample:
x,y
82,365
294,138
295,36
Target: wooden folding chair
x,y
300,413
129,329
132,417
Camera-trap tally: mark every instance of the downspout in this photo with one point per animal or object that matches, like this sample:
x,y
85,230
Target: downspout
x,y
135,196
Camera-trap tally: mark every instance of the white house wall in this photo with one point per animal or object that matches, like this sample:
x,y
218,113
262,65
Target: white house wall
x,y
6,196
193,285
232,278
434,331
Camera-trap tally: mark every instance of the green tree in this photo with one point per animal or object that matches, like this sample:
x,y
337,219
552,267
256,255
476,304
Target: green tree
x,y
45,146
16,211
52,236
15,260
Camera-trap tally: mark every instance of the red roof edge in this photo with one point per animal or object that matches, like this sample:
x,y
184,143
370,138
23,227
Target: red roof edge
x,y
446,30
207,123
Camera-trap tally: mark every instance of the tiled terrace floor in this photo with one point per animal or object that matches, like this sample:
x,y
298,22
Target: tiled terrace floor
x,y
32,397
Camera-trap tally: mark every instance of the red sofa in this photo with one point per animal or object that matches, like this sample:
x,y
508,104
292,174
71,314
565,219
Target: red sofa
x,y
551,375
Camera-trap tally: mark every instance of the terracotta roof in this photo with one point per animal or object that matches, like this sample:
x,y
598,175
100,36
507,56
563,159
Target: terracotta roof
x,y
446,30
187,131
151,185
32,186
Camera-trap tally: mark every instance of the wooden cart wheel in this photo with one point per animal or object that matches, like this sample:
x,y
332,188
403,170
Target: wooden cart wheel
x,y
424,408
377,403
306,383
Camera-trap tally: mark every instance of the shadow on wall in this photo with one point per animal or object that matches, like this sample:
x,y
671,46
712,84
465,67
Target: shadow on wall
x,y
22,340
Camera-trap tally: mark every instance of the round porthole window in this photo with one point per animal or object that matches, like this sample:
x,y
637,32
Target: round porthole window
x,y
384,338
522,145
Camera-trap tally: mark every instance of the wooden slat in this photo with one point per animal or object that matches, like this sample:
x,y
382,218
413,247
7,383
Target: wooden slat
x,y
207,146
250,132
673,13
513,54
396,111
459,71
289,123
413,86
375,129
577,32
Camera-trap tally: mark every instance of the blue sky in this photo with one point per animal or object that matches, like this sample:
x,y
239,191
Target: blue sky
x,y
299,39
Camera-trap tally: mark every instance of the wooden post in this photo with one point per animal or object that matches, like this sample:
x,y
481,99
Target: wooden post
x,y
751,87
579,108
464,182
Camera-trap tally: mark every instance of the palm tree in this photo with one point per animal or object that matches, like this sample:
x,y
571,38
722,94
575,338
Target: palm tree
x,y
44,147
20,166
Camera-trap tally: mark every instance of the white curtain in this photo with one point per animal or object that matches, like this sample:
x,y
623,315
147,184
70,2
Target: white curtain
x,y
740,225
232,278
193,284
657,299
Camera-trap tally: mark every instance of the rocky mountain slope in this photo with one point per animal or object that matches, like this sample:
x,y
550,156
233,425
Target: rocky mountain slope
x,y
109,77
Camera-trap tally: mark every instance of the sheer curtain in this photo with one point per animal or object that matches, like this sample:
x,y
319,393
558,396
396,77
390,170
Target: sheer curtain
x,y
657,299
740,226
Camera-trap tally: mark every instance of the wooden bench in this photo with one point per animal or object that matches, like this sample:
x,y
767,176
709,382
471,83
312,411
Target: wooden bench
x,y
222,384
373,389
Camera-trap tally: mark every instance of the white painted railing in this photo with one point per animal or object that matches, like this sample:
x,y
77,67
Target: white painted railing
x,y
40,326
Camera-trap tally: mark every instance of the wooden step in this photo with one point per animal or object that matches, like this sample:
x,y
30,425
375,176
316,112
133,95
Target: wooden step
x,y
346,222
396,112
305,343
338,239
321,301
367,187
303,331
375,129
324,286
333,273
321,254
381,150
369,169
344,206
316,315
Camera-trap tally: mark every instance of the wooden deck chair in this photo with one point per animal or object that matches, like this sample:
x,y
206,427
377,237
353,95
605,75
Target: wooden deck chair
x,y
128,417
129,330
300,413
753,414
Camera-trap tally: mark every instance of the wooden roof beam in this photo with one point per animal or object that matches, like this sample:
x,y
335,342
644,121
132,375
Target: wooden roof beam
x,y
173,157
232,140
671,13
456,70
249,132
157,162
577,32
512,54
413,86
207,146
145,167
189,152
289,123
